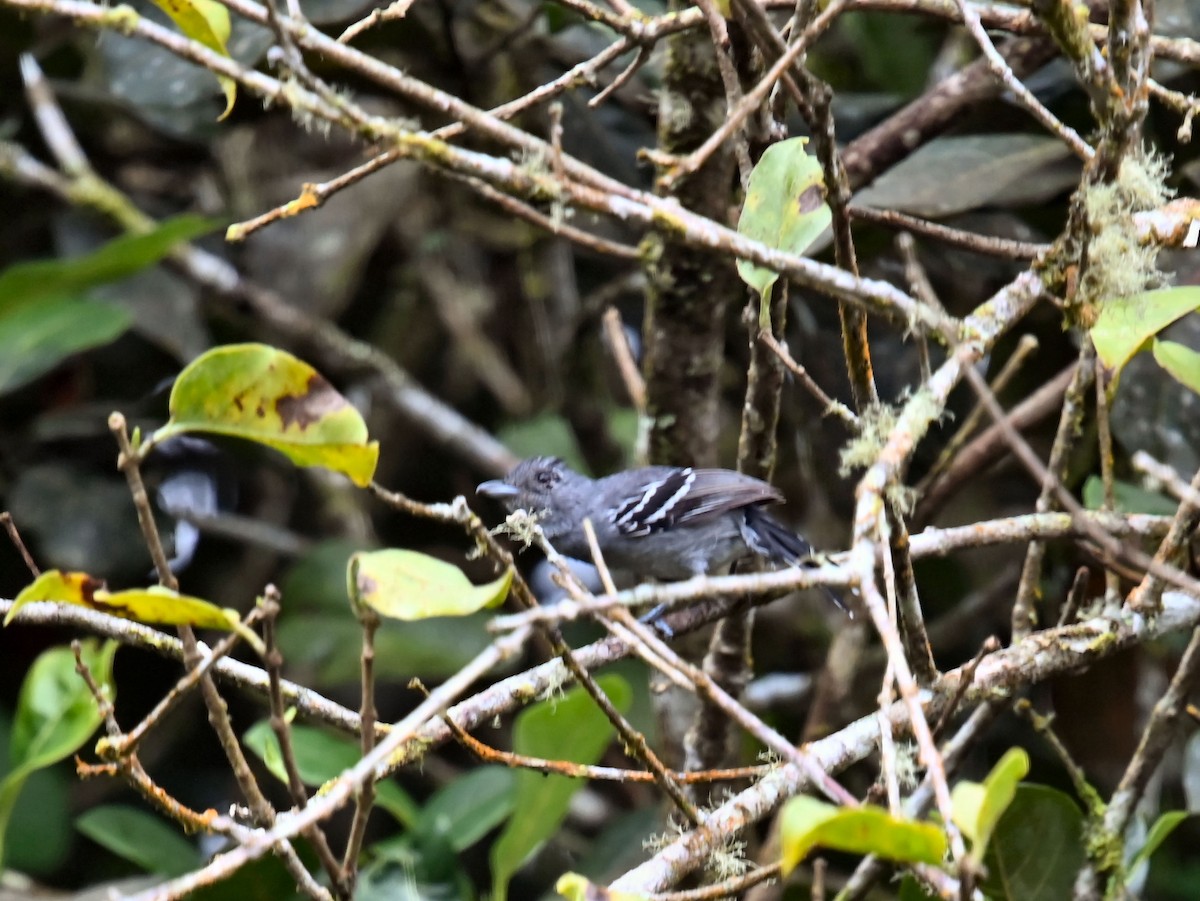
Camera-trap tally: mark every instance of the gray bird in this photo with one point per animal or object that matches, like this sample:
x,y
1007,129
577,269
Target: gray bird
x,y
661,522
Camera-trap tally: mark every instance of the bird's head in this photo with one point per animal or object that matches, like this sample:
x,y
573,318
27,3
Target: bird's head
x,y
532,484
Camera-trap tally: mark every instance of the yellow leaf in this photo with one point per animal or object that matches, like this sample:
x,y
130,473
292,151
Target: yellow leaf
x,y
155,604
268,396
207,23
409,585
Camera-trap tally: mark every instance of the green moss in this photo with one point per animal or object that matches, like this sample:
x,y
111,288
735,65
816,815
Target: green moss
x,y
1118,263
874,425
121,18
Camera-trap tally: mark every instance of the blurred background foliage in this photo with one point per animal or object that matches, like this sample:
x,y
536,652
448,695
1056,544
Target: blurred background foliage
x,y
501,322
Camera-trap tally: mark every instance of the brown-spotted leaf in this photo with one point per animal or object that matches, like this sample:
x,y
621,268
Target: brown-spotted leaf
x,y
155,604
409,585
785,208
268,396
69,588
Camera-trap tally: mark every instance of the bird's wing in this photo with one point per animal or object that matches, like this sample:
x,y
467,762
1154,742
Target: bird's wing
x,y
675,496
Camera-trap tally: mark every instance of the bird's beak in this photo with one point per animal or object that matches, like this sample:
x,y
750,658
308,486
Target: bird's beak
x,y
497,489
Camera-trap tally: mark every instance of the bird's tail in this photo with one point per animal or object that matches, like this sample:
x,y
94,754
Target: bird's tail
x,y
772,539
775,541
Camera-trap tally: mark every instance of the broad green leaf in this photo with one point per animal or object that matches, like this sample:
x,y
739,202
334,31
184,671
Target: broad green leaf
x,y
807,823
1129,498
574,887
1036,849
1181,361
266,395
56,714
207,23
977,807
471,806
40,841
785,209
43,317
320,757
155,604
410,585
413,868
141,838
568,728
1159,832
1127,323
27,282
36,338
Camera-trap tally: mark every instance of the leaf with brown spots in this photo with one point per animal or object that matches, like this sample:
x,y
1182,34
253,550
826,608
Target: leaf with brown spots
x,y
52,585
409,585
785,208
155,604
268,396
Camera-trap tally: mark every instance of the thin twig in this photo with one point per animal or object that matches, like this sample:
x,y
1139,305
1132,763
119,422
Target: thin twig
x,y
1145,597
366,794
1166,721
988,245
617,343
15,537
828,404
1025,346
1024,96
1075,596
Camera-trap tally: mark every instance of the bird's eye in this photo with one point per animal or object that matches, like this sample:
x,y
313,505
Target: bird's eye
x,y
546,478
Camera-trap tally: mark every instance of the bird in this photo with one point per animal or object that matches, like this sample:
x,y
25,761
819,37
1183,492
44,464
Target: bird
x,y
662,522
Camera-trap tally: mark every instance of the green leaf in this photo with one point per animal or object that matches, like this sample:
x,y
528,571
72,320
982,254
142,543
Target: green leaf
x,y
321,757
1129,498
206,22
471,806
24,283
410,585
266,395
43,318
569,728
1036,849
36,338
1125,324
977,808
1159,832
1181,361
56,714
785,208
141,838
807,823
